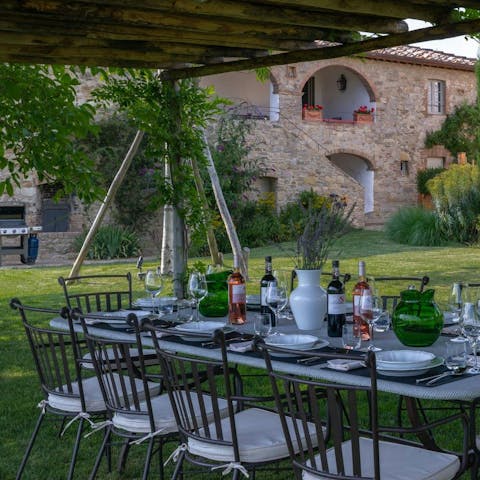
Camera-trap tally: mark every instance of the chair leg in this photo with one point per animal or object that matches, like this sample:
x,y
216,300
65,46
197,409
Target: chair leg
x,y
179,467
148,458
122,458
30,445
76,447
98,460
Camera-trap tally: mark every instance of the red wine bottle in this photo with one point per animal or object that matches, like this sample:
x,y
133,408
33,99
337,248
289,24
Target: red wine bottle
x,y
336,303
266,279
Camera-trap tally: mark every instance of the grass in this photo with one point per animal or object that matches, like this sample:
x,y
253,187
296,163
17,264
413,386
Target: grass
x,y
35,285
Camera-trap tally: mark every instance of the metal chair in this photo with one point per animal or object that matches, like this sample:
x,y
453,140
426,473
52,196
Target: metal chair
x,y
98,293
359,447
69,392
240,434
144,415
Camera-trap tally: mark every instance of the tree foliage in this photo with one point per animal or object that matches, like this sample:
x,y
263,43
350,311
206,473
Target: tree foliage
x,y
40,121
172,116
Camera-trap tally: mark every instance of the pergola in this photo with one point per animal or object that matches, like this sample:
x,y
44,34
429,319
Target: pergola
x,y
190,38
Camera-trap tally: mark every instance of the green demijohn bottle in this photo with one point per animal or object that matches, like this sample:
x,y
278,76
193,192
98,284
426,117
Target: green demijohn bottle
x,y
215,304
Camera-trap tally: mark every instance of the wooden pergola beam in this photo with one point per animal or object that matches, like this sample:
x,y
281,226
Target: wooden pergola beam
x,y
420,35
209,16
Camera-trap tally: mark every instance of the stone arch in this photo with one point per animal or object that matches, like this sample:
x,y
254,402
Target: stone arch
x,y
337,104
359,167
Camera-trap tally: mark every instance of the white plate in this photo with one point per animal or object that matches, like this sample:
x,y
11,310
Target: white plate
x,y
436,362
200,327
317,346
119,317
294,341
147,302
403,359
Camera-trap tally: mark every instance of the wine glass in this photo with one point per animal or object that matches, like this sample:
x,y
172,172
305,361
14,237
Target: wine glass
x,y
276,298
458,296
153,285
471,330
371,311
197,286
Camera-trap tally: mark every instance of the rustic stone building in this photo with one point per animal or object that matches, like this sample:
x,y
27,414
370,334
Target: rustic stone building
x,y
371,159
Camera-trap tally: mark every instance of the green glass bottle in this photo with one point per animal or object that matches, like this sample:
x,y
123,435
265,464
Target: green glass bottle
x,y
416,320
215,304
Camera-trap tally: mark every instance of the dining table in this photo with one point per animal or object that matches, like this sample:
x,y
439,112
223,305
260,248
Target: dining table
x,y
464,389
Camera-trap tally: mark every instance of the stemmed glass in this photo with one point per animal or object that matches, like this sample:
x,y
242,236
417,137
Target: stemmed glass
x,y
458,296
371,311
153,285
276,299
471,330
197,286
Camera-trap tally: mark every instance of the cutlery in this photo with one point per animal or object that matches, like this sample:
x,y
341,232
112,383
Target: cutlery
x,y
435,378
310,360
431,377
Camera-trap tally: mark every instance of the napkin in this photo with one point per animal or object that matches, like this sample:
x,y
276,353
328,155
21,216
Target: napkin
x,y
345,365
241,347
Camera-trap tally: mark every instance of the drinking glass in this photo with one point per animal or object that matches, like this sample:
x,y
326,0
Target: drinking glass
x,y
262,324
197,286
456,356
471,330
276,298
371,311
284,278
153,285
351,339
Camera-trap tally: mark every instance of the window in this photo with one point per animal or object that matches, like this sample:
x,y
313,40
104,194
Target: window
x,y
436,97
308,93
435,162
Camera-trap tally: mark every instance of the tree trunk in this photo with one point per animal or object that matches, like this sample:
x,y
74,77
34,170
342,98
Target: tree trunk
x,y
166,256
112,191
212,241
222,207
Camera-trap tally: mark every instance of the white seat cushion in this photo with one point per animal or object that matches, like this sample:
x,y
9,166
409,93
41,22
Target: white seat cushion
x,y
150,358
93,395
163,415
397,462
260,438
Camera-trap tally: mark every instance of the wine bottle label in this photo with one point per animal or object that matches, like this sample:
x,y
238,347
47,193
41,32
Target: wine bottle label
x,y
336,303
239,294
263,296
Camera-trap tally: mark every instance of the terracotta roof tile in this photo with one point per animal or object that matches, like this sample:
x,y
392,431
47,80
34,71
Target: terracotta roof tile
x,y
422,56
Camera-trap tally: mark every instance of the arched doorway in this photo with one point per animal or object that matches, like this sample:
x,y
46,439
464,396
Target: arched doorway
x,y
360,169
339,90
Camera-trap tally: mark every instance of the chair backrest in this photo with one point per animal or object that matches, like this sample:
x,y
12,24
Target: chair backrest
x,y
57,354
94,293
202,392
301,401
128,392
397,284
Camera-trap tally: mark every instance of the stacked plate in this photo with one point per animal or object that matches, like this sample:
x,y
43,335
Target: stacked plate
x,y
201,329
147,303
405,363
295,342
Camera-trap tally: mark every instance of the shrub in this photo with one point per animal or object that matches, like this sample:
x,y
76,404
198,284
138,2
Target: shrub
x,y
415,226
293,216
110,241
456,197
423,176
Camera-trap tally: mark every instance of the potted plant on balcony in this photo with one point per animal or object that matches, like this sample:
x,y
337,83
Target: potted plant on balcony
x,y
363,114
323,227
312,113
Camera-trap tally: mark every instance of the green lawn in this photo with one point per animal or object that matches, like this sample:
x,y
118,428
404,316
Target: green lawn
x,y
36,285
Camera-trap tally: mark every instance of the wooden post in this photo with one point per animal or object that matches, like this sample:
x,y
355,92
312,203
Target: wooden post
x,y
461,158
112,191
222,207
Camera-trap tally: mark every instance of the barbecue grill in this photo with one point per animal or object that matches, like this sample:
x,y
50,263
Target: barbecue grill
x,y
13,225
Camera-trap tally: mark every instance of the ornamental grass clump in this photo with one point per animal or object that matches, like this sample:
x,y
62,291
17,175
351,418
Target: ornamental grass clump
x,y
323,227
